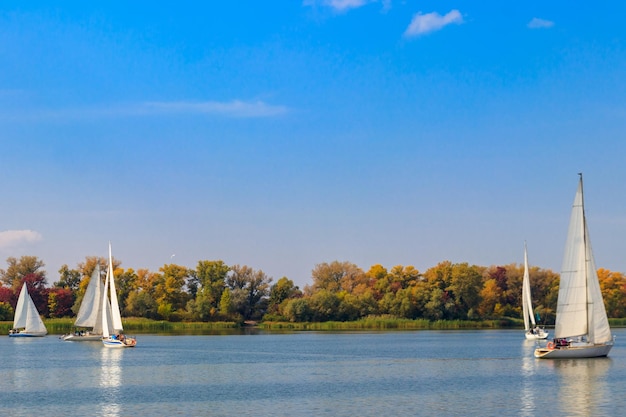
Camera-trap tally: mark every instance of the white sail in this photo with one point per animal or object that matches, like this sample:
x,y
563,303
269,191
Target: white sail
x,y
580,308
90,314
112,322
527,305
106,317
19,321
26,314
115,308
599,329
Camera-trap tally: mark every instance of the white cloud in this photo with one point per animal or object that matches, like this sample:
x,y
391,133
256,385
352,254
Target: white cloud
x,y
12,238
234,108
430,22
339,5
537,23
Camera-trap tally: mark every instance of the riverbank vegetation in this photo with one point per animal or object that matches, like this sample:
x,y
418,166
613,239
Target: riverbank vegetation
x,y
341,295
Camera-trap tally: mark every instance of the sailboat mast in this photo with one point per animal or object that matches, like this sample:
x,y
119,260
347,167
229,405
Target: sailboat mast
x,y
590,328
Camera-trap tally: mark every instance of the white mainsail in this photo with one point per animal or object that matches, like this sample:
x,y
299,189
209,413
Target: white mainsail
x,y
527,305
90,312
580,308
26,314
111,317
115,308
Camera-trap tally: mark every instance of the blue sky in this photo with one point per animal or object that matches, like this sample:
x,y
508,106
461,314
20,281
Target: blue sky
x,y
281,135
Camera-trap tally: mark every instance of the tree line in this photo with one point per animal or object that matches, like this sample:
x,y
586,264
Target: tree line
x,y
340,291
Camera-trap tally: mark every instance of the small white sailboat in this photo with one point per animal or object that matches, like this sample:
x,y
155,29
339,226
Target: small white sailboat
x,y
531,330
27,322
582,327
112,329
89,318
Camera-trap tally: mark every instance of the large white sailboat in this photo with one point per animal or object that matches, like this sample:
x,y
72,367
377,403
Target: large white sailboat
x,y
27,322
112,329
582,328
89,318
531,330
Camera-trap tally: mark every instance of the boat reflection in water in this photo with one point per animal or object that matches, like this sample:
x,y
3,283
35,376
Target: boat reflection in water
x,y
583,385
111,382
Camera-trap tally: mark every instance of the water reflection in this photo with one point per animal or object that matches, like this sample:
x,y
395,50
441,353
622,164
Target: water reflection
x,y
583,389
529,363
111,381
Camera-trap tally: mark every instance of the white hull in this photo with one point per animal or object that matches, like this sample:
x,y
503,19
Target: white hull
x,y
28,334
574,351
82,337
538,335
117,343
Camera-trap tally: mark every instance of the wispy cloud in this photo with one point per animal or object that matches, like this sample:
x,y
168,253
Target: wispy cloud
x,y
339,5
10,238
431,22
233,108
537,23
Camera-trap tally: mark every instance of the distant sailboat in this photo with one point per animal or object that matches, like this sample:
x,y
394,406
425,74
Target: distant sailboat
x,y
27,322
582,327
89,318
532,331
112,329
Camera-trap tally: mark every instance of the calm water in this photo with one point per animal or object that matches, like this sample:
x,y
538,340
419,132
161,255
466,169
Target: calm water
x,y
421,373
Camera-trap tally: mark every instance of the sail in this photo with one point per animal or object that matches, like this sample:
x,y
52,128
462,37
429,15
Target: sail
x,y
115,308
106,310
26,314
90,314
19,321
527,304
34,324
599,329
580,308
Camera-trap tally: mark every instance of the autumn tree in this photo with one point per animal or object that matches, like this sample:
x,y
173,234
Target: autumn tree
x,y
613,287
336,276
17,270
60,302
169,291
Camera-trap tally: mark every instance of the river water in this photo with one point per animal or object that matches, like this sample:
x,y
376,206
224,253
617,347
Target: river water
x,y
409,373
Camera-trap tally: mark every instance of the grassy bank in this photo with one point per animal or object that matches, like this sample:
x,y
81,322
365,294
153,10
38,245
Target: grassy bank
x,y
382,323
145,326
137,326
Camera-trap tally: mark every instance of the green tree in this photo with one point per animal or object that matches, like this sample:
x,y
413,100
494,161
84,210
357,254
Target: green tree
x,y
69,278
226,306
6,311
284,289
169,290
249,291
211,282
141,304
125,281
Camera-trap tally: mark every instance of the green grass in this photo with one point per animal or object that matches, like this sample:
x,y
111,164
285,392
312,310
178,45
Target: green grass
x,y
137,325
390,323
146,326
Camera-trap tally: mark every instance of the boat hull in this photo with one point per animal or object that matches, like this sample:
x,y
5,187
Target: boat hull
x,y
536,336
27,334
82,337
118,344
574,351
